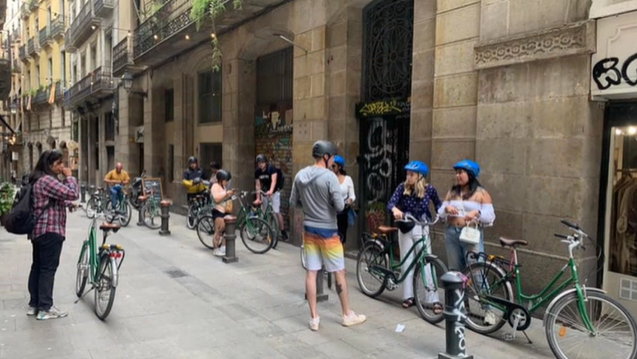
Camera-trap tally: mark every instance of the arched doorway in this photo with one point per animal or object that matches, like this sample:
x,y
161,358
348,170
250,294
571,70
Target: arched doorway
x,y
384,112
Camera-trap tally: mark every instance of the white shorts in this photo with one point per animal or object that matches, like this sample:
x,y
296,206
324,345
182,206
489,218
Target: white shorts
x,y
275,199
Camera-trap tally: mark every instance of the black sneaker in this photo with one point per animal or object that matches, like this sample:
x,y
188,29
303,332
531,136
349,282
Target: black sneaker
x,y
284,235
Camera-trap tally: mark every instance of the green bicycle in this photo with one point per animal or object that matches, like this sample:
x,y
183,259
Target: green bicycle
x,y
256,234
122,212
100,267
376,259
151,212
572,312
268,215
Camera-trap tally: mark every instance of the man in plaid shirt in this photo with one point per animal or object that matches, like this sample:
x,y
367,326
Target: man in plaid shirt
x,y
51,198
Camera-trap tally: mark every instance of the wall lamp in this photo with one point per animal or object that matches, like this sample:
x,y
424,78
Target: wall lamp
x,y
127,79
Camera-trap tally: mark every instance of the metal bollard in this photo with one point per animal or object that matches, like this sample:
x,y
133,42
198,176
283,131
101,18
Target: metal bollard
x,y
455,316
91,189
140,217
83,193
231,223
165,216
321,296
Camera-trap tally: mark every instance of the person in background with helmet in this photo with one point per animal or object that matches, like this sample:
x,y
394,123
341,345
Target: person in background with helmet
x,y
220,196
193,179
316,190
347,191
466,202
269,179
412,197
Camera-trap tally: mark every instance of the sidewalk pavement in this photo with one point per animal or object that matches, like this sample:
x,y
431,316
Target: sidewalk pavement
x,y
176,300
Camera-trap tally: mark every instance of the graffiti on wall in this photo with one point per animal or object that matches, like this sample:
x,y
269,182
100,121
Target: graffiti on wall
x,y
610,72
273,135
381,108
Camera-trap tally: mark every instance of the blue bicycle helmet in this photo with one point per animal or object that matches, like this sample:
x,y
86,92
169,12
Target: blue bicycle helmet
x,y
418,167
469,166
339,161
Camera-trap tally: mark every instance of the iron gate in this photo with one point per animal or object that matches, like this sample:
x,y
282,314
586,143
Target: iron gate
x,y
384,112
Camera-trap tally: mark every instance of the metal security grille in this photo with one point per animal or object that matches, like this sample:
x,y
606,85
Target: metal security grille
x,y
275,77
387,51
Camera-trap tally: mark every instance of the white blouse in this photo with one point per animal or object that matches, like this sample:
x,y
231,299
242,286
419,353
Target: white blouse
x,y
347,189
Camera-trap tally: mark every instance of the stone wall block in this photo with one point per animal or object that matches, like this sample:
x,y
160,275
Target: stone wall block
x,y
318,38
318,85
454,122
424,34
337,58
458,25
422,94
494,21
447,5
302,131
337,34
504,155
531,15
507,224
449,151
565,201
338,83
505,120
420,150
319,130
300,67
423,65
455,58
557,157
509,192
460,90
421,124
317,108
316,63
302,87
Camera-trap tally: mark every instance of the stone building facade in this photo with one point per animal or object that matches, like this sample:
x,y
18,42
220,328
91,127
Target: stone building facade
x,y
504,82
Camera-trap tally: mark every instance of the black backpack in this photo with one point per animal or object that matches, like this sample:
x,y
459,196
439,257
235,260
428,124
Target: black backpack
x,y
280,180
21,219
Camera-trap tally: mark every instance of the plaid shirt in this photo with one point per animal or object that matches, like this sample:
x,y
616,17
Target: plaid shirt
x,y
46,189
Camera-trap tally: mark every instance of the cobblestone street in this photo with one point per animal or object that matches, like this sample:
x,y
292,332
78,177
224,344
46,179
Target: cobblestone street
x,y
175,300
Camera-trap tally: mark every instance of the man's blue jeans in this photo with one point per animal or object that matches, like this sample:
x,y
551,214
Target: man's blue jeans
x,y
115,191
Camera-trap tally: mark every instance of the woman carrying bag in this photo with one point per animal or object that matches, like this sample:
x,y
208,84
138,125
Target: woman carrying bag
x,y
413,197
347,217
467,207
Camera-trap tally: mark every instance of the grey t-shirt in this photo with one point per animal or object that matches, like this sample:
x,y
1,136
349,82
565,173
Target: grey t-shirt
x,y
317,191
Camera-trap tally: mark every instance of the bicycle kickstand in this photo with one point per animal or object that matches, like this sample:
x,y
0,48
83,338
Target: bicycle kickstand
x,y
83,295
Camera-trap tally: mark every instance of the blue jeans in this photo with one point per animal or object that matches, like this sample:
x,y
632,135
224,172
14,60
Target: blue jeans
x,y
115,195
456,250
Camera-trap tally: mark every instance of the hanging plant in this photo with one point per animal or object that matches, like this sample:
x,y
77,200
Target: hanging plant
x,y
211,10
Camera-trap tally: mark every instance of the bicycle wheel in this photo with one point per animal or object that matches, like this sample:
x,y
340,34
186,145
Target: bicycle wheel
x,y
82,270
371,255
611,338
127,213
257,235
104,290
91,208
274,224
429,296
485,278
191,217
151,215
206,230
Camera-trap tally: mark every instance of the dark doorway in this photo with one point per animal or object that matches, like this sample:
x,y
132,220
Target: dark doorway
x,y
384,112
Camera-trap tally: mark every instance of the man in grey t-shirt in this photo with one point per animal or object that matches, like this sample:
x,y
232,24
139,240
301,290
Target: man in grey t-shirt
x,y
316,190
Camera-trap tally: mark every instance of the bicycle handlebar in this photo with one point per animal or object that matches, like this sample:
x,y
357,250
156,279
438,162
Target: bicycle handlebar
x,y
409,218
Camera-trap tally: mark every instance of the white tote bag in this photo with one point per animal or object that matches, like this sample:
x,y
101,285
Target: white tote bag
x,y
469,234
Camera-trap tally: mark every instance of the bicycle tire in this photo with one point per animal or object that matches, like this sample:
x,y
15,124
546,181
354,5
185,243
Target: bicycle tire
x,y
438,268
153,224
377,252
563,302
82,274
128,214
106,266
274,224
471,292
205,230
191,216
256,223
91,208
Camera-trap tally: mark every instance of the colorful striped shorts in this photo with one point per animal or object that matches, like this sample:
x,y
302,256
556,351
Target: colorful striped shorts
x,y
327,251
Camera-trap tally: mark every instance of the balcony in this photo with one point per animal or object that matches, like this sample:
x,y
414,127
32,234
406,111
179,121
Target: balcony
x,y
123,59
5,78
96,85
161,36
33,5
23,52
24,11
68,45
83,25
57,28
33,46
45,37
103,8
41,97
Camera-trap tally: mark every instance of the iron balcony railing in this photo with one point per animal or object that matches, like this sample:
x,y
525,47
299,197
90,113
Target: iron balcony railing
x,y
33,46
23,52
121,55
170,19
102,7
42,96
57,27
93,83
81,21
44,34
24,10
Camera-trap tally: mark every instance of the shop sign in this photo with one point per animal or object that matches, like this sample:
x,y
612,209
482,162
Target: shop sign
x,y
614,66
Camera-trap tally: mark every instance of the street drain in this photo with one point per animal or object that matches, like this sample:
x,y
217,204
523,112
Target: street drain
x,y
177,273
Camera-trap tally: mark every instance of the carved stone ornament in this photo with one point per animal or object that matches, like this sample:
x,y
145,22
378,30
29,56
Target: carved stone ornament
x,y
574,39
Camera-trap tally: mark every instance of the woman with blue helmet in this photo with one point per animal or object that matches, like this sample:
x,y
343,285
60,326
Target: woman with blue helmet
x,y
467,202
347,190
413,197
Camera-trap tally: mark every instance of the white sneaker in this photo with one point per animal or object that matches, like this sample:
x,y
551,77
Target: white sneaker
x,y
32,311
217,253
222,249
489,318
353,319
314,323
52,313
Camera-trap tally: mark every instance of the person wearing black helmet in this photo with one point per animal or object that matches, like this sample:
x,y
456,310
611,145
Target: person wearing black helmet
x,y
193,179
316,190
220,197
270,180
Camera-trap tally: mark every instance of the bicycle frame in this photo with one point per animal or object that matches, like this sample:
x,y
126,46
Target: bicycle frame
x,y
419,258
94,255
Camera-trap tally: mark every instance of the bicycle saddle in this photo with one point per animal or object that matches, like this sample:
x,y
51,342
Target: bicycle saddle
x,y
110,227
512,242
386,230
